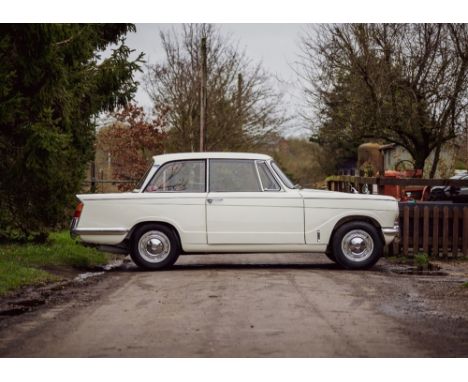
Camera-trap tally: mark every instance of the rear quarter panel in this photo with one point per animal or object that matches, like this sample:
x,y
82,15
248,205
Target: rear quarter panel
x,y
184,211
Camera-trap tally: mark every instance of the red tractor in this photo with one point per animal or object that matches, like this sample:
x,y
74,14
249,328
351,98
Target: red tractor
x,y
371,162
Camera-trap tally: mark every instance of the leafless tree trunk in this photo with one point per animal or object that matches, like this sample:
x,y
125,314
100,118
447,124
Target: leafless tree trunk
x,y
175,84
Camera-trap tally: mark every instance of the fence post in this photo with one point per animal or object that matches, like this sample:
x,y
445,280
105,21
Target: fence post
x,y
426,229
435,232
415,230
445,228
405,230
455,233
465,231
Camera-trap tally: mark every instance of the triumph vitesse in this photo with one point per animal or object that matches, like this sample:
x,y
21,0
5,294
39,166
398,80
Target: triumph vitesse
x,y
233,203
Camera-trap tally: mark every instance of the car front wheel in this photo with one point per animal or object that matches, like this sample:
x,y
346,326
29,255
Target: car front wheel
x,y
154,246
357,245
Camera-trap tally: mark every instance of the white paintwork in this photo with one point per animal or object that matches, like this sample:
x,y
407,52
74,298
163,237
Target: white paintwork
x,y
269,221
255,218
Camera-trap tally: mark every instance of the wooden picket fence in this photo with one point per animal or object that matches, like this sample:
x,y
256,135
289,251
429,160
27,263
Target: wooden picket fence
x,y
437,229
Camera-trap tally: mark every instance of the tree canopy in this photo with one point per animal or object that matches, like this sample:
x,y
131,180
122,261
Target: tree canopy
x,y
401,83
53,84
132,140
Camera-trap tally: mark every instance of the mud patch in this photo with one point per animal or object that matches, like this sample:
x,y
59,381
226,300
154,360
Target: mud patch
x,y
29,298
419,272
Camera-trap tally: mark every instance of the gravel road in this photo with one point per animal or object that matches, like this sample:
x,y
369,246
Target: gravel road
x,y
266,305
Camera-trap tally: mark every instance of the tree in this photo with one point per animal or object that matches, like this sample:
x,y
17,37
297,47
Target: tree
x,y
242,107
302,161
131,140
53,83
402,83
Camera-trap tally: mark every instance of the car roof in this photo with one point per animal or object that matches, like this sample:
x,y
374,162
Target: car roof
x,y
159,159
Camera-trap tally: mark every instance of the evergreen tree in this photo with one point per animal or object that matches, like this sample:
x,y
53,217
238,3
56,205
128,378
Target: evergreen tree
x,y
53,85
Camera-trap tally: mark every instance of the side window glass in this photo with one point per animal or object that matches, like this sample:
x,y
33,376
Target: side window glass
x,y
268,181
180,176
233,175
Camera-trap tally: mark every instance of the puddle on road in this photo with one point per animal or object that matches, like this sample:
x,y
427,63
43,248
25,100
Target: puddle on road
x,y
112,265
87,275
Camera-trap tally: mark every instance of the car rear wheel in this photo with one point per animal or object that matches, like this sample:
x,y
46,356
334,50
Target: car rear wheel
x,y
154,246
357,245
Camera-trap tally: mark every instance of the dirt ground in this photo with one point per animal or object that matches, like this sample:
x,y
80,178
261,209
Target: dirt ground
x,y
259,305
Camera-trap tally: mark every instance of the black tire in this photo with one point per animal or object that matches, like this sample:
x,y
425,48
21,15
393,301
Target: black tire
x,y
437,195
164,252
367,240
330,255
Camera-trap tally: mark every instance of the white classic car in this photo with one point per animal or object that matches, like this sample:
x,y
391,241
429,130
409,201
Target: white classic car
x,y
233,202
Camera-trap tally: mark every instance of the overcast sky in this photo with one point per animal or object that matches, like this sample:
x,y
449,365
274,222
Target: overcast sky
x,y
274,45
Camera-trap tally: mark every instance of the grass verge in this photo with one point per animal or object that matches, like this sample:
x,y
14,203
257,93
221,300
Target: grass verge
x,y
27,264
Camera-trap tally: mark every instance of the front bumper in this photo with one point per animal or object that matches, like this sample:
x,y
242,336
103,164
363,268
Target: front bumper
x,y
389,234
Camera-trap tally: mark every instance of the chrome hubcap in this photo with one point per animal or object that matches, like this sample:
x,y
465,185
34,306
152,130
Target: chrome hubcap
x,y
154,246
357,245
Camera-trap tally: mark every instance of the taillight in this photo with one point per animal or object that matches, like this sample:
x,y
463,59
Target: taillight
x,y
78,210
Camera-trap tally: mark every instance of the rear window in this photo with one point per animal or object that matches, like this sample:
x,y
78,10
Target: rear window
x,y
179,176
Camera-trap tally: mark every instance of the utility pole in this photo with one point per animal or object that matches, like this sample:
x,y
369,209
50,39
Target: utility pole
x,y
93,176
203,102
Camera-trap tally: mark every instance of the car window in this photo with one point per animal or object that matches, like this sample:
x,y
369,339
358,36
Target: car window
x,y
180,176
282,175
143,178
233,175
268,181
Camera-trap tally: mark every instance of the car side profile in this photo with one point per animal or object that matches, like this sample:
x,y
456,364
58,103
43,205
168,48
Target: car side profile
x,y
233,203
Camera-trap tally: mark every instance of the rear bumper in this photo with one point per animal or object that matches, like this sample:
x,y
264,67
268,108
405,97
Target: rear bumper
x,y
120,248
73,225
389,233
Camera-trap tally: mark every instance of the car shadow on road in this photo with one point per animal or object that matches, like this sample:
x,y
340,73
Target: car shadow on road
x,y
130,267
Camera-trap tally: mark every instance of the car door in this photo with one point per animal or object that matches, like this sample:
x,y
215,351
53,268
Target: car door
x,y
177,195
243,209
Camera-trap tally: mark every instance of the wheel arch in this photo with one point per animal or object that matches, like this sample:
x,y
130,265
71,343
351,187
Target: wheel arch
x,y
355,218
163,223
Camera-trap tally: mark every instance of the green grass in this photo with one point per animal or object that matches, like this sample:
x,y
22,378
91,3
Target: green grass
x,y
14,275
26,264
465,284
421,260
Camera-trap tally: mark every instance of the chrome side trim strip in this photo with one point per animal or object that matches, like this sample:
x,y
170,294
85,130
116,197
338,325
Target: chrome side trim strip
x,y
100,231
344,198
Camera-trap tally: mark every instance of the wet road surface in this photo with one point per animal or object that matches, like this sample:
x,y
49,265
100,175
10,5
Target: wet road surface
x,y
267,305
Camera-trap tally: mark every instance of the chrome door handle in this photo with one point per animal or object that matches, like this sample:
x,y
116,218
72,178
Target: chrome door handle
x,y
211,200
